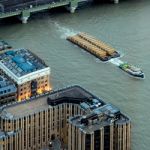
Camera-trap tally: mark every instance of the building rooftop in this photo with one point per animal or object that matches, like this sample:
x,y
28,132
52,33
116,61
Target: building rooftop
x,y
74,94
20,63
6,86
99,117
25,108
94,106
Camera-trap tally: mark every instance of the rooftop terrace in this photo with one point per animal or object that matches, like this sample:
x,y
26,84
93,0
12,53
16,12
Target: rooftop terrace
x,y
74,94
20,63
25,108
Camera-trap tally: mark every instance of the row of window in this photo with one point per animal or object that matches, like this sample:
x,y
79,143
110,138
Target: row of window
x,y
5,91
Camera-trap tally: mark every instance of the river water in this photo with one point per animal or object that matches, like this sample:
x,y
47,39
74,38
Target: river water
x,y
125,26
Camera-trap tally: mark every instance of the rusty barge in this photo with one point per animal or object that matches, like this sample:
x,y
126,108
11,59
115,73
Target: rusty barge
x,y
94,46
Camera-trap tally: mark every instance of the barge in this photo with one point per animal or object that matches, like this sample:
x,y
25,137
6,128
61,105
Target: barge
x,y
132,70
94,46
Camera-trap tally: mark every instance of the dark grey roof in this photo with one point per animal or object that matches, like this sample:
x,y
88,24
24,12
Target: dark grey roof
x,y
74,94
102,116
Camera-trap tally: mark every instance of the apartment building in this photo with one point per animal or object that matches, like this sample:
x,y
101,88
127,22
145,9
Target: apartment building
x,y
65,114
30,73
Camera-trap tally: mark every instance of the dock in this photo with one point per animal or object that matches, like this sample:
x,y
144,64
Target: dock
x,y
94,46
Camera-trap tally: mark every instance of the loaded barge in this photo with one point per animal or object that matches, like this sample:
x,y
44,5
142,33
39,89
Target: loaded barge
x,y
94,46
104,53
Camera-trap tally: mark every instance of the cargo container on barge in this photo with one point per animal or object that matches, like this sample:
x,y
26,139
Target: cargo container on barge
x,y
94,46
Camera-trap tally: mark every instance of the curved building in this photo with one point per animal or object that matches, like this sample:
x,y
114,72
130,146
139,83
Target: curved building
x,y
76,117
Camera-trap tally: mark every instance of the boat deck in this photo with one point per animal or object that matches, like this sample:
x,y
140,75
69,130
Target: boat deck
x,y
94,46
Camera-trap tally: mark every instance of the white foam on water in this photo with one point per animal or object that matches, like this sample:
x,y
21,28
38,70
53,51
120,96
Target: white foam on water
x,y
116,61
97,60
64,31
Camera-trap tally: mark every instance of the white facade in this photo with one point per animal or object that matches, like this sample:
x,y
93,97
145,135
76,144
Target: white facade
x,y
27,77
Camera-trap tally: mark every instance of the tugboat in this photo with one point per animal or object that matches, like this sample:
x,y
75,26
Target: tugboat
x,y
132,70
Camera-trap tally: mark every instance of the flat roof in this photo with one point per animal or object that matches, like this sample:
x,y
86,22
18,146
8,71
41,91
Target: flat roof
x,y
6,86
21,64
40,103
73,94
98,118
25,108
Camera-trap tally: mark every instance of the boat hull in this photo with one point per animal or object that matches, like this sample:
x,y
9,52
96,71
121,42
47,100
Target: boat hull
x,y
138,76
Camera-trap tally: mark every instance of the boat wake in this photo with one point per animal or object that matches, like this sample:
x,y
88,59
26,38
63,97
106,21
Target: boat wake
x,y
116,61
65,32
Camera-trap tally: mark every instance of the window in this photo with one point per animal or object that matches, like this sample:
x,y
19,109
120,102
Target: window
x,y
1,92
